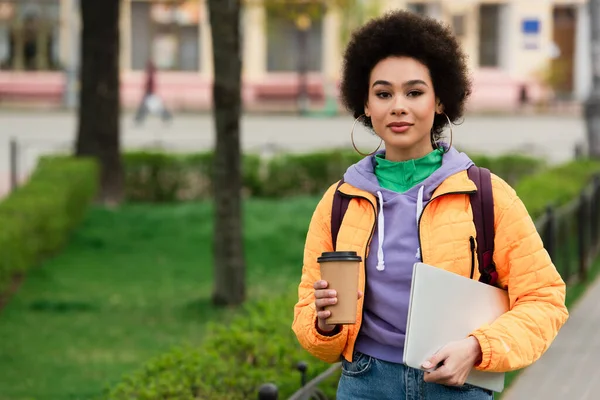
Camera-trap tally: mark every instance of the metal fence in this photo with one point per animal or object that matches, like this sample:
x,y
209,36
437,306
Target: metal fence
x,y
571,236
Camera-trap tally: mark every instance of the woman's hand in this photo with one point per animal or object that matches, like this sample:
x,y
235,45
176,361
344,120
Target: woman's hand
x,y
457,360
325,297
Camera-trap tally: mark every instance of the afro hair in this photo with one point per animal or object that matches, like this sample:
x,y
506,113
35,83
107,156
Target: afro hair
x,y
405,34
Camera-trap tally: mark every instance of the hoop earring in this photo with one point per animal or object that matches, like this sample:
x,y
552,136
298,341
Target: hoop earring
x,y
354,145
451,134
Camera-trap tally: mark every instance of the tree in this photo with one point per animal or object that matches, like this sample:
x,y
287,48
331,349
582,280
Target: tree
x,y
229,263
99,102
592,106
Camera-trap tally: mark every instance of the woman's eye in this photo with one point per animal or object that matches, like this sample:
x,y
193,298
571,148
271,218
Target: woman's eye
x,y
383,95
414,93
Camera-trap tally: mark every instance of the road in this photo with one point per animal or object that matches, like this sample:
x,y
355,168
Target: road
x,y
551,137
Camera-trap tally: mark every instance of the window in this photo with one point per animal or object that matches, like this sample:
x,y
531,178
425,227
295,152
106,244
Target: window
x,y
29,35
458,25
489,35
417,8
166,33
284,45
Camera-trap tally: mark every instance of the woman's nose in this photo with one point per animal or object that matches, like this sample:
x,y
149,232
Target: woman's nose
x,y
399,107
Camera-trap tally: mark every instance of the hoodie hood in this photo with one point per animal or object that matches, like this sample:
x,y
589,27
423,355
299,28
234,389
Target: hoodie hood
x,y
362,176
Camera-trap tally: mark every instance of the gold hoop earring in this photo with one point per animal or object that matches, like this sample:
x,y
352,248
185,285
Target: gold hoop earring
x,y
354,145
451,134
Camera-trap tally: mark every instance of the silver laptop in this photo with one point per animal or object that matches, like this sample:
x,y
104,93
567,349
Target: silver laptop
x,y
445,307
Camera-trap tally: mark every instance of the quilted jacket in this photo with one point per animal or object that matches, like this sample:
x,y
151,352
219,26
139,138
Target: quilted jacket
x,y
536,290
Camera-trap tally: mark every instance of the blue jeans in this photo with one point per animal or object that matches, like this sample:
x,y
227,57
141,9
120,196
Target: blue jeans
x,y
370,378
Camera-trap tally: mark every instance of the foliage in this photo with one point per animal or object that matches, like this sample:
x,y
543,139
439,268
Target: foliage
x,y
257,346
163,177
37,218
556,186
133,283
292,10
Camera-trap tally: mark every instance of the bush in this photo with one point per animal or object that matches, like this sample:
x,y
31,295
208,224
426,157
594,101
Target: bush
x,y
510,167
238,356
37,218
556,186
163,177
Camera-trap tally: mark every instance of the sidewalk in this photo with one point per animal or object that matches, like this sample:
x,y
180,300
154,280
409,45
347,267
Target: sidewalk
x,y
570,369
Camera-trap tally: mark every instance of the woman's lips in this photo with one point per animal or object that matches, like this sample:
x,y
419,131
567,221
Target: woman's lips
x,y
399,127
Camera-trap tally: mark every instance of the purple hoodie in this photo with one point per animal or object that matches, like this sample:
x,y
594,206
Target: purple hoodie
x,y
393,251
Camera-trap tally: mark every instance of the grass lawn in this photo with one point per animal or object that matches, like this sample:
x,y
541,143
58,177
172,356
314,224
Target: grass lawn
x,y
132,284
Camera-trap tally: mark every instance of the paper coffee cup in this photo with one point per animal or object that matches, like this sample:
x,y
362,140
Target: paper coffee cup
x,y
340,270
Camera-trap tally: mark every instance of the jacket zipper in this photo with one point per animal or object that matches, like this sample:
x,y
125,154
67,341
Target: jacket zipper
x,y
423,212
472,241
366,247
374,223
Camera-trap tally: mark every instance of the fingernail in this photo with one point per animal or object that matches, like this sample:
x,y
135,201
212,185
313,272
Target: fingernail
x,y
427,365
332,293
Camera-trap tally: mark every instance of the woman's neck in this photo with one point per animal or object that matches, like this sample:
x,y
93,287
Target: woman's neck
x,y
396,154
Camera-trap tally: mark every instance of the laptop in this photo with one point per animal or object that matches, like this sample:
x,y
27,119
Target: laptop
x,y
446,307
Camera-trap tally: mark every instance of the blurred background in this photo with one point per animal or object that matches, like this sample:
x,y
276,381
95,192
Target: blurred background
x,y
534,51
151,234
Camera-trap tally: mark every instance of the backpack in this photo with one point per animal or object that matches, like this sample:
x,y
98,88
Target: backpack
x,y
482,204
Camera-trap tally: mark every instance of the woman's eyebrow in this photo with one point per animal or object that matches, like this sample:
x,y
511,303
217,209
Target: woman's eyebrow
x,y
415,82
381,82
412,82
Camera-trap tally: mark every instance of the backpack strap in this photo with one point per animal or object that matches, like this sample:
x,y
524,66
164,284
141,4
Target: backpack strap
x,y
338,210
482,204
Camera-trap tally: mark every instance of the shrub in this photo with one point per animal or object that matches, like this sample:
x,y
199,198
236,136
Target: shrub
x,y
556,186
237,356
164,177
37,218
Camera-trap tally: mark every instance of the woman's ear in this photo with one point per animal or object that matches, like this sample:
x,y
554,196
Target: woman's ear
x,y
366,112
439,107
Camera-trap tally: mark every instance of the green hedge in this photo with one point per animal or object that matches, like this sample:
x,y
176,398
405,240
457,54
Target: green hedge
x,y
164,177
36,218
237,356
556,186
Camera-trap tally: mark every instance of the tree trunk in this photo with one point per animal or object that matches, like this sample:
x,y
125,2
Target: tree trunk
x,y
99,102
229,264
592,106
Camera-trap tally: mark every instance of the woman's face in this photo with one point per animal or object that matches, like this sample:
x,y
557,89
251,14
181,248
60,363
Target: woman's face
x,y
402,105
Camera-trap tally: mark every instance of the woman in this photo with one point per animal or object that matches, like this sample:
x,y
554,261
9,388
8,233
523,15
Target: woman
x,y
405,77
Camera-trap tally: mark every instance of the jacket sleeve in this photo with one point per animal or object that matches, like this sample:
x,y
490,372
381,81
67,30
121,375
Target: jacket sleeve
x,y
536,291
318,240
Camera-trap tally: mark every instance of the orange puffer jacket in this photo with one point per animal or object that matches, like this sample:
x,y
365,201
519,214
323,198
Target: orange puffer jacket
x,y
536,290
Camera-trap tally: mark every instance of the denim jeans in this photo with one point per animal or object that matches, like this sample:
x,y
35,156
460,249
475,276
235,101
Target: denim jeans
x,y
370,378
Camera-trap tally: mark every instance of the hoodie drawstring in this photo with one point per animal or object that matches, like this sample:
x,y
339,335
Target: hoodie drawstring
x,y
381,227
419,212
380,232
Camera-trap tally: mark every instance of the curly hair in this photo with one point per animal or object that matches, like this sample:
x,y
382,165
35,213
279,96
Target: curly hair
x,y
402,33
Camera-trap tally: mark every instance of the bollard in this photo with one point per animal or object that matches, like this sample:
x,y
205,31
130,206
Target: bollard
x,y
268,391
302,366
549,236
13,164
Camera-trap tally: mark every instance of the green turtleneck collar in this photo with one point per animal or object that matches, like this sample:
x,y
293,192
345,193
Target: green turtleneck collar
x,y
400,176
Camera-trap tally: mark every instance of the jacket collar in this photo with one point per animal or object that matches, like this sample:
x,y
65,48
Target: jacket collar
x,y
457,183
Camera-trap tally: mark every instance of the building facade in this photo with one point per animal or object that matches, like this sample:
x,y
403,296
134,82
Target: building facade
x,y
540,45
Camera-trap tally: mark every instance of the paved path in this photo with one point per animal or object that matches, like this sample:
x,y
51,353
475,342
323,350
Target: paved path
x,y
553,137
569,369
